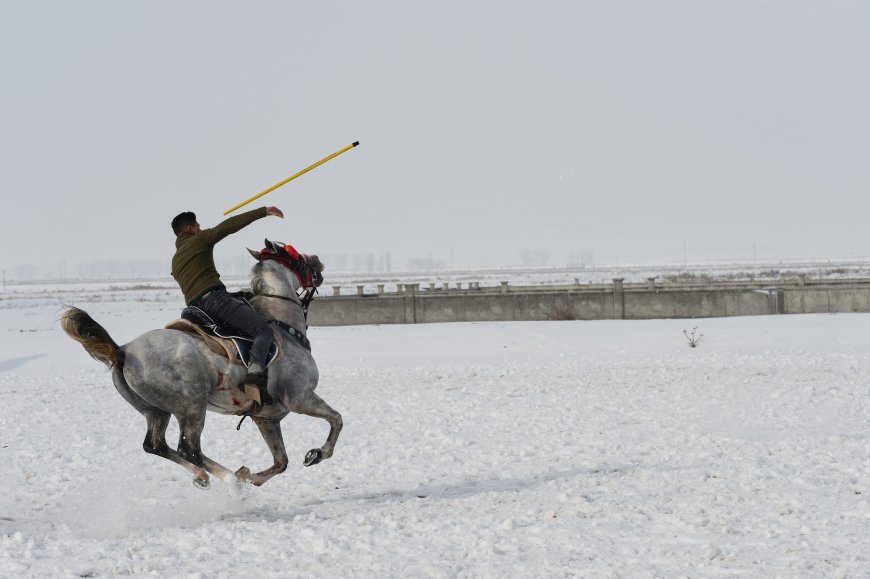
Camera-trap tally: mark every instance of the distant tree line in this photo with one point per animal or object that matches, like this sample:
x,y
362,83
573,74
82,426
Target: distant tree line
x,y
95,269
358,262
534,256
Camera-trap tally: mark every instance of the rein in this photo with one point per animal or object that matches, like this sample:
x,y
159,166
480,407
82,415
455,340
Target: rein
x,y
276,296
304,301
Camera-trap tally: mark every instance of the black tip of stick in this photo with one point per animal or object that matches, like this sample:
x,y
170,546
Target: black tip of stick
x,y
355,143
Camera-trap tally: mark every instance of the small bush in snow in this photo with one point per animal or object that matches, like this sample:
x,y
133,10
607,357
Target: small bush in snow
x,y
693,339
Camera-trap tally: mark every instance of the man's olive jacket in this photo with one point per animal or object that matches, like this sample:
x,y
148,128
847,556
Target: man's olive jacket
x,y
193,263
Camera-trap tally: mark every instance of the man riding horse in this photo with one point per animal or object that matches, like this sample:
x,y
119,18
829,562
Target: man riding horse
x,y
194,269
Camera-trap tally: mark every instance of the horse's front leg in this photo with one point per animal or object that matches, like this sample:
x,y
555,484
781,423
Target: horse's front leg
x,y
271,431
312,405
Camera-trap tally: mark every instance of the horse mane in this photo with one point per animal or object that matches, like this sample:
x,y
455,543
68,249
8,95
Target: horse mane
x,y
257,277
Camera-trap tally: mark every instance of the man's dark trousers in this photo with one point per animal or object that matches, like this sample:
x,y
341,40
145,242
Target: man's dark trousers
x,y
227,309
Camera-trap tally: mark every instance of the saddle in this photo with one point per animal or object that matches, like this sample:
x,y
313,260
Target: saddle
x,y
221,339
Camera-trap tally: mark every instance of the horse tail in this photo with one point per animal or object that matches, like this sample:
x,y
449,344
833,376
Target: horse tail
x,y
96,341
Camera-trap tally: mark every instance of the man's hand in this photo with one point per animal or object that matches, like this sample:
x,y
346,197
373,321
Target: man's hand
x,y
274,211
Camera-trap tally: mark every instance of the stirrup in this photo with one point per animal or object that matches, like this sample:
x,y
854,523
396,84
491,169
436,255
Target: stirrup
x,y
255,389
252,393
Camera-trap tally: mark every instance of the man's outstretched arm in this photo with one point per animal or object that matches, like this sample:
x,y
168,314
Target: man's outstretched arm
x,y
237,222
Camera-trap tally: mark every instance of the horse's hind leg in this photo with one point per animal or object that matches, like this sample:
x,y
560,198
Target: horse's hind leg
x,y
313,405
155,443
190,427
219,470
155,437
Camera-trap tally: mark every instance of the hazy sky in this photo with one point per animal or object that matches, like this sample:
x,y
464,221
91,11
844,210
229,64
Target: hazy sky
x,y
627,128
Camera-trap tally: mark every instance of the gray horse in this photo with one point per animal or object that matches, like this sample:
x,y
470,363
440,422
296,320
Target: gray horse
x,y
165,373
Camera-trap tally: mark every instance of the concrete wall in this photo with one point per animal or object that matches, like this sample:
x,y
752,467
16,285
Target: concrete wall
x,y
830,297
603,302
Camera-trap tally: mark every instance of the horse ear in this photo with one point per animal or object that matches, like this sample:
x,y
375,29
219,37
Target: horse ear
x,y
269,245
254,254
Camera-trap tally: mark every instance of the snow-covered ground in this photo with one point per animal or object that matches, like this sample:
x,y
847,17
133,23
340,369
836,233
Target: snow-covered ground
x,y
543,449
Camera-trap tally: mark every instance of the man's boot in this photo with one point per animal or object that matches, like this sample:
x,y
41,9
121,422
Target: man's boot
x,y
255,388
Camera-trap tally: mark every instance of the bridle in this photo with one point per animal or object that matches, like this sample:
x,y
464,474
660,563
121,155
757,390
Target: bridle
x,y
309,276
304,300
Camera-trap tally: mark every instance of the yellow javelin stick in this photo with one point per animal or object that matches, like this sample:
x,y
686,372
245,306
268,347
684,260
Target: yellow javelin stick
x,y
288,179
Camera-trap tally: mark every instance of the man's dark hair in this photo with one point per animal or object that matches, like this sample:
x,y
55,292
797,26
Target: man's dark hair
x,y
182,220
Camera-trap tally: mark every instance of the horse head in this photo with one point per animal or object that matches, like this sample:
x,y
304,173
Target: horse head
x,y
307,269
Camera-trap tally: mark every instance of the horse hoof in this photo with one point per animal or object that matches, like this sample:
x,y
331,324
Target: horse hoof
x,y
243,475
201,482
313,456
